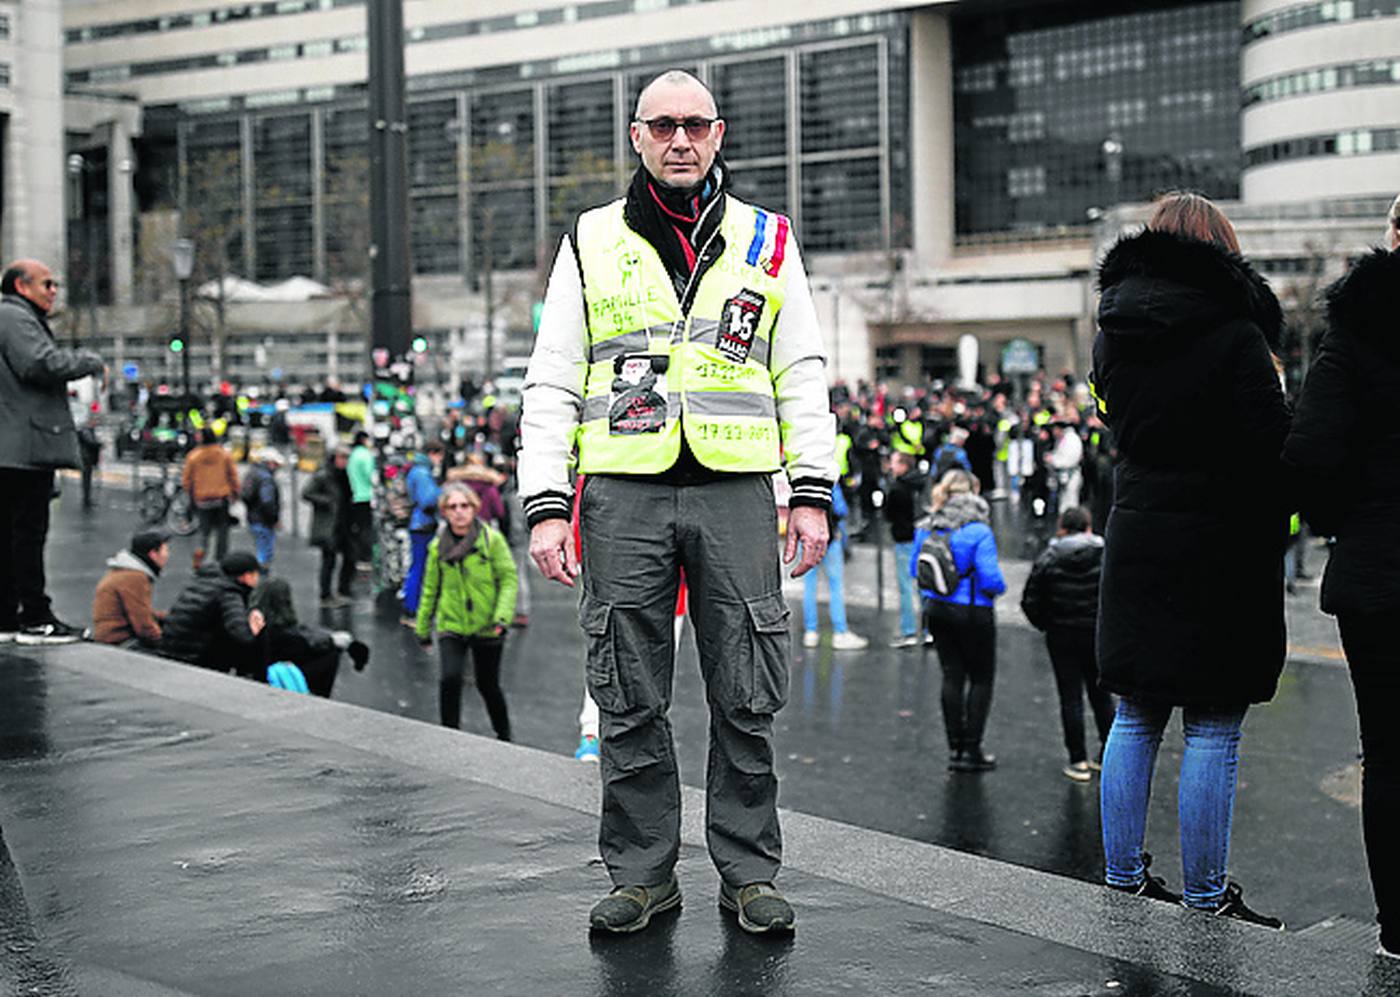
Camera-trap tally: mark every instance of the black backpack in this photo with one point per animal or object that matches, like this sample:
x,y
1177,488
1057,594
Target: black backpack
x,y
937,568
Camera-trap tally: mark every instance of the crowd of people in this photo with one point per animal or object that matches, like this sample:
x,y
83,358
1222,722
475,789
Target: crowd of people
x,y
1177,604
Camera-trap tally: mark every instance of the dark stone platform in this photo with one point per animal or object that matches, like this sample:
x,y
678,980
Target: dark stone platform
x,y
170,831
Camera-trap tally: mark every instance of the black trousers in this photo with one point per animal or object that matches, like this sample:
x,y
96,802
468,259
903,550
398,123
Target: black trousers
x,y
24,527
486,668
1076,666
1369,642
968,654
361,531
329,552
213,520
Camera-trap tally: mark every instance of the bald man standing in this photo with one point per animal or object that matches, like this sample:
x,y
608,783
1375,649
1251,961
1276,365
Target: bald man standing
x,y
679,354
37,436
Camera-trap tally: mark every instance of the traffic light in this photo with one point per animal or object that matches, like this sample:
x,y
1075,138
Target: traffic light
x,y
419,344
177,343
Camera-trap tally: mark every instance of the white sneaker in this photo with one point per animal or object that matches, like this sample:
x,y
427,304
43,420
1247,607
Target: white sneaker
x,y
1078,771
848,641
907,640
8,636
811,638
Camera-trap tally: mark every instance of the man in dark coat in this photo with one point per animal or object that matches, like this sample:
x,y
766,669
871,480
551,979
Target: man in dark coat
x,y
329,495
210,624
36,436
1344,456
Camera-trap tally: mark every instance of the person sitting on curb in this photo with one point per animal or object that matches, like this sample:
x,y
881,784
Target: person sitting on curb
x,y
210,624
121,606
315,650
1061,599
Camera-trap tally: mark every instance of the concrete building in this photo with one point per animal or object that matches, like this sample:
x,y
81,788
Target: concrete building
x,y
951,168
31,131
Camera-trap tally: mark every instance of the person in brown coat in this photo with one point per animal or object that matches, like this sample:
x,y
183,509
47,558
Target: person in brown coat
x,y
210,480
121,607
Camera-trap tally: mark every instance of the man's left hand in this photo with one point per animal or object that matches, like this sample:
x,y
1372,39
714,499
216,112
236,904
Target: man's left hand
x,y
806,524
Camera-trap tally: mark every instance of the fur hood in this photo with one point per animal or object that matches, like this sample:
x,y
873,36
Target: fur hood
x,y
1362,303
958,511
1154,282
125,560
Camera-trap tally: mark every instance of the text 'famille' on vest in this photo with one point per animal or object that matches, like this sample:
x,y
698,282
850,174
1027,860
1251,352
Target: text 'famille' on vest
x,y
655,368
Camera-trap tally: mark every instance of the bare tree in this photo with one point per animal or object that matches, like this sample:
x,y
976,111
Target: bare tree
x,y
213,218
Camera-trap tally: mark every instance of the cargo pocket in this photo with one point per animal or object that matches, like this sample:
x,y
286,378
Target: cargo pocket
x,y
772,651
604,686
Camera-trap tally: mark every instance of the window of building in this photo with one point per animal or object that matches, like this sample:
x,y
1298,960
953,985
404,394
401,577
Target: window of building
x,y
433,131
282,181
502,170
345,191
4,26
582,138
4,74
1060,109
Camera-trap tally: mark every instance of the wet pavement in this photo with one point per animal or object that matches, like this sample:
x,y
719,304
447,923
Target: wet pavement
x,y
168,831
860,742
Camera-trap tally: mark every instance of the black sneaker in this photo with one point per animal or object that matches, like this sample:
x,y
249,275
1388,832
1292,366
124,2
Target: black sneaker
x,y
1232,905
50,633
760,907
973,760
630,908
1152,887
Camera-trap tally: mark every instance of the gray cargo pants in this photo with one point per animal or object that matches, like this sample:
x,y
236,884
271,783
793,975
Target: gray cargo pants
x,y
637,537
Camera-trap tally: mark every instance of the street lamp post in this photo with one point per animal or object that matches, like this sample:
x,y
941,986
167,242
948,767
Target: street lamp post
x,y
182,256
77,167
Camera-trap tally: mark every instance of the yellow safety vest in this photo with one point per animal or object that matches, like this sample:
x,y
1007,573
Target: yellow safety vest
x,y
655,371
843,454
908,438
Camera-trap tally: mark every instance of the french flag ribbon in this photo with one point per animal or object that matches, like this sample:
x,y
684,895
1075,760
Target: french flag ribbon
x,y
769,243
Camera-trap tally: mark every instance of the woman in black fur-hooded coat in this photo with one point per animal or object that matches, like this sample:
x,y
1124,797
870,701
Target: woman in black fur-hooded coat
x,y
1191,593
1344,457
1191,610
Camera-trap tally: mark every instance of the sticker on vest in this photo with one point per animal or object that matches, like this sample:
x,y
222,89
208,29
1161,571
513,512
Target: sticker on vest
x,y
738,324
638,403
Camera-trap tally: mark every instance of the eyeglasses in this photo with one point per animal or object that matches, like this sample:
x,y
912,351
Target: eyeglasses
x,y
459,505
663,129
48,285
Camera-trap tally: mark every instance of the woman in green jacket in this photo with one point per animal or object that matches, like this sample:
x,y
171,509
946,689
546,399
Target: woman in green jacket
x,y
468,597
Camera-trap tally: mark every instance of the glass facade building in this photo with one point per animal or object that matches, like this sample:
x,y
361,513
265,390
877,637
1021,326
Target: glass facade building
x,y
1064,108
502,158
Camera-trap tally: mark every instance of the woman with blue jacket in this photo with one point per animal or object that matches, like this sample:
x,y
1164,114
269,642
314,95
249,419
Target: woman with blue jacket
x,y
963,623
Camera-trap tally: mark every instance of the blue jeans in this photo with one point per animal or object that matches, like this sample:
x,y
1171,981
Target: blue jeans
x,y
264,542
1205,800
833,566
908,607
418,542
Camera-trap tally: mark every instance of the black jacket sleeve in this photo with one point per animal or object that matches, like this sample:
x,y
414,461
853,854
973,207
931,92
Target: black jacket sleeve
x,y
1316,451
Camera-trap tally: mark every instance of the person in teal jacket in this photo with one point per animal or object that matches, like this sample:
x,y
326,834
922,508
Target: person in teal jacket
x,y
468,597
361,472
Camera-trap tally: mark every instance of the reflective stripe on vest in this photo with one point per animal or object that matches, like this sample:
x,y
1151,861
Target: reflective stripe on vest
x,y
653,371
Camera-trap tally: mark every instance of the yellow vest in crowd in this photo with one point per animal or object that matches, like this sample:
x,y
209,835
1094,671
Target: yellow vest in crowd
x,y
653,370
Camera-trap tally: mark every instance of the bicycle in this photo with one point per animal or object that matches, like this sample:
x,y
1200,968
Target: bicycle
x,y
167,500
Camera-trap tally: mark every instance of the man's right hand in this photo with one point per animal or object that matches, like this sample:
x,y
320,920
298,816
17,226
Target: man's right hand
x,y
552,550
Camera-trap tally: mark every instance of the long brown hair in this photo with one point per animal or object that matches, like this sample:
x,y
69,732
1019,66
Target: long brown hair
x,y
1195,216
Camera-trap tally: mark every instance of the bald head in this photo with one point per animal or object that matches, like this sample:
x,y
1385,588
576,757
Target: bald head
x,y
31,280
1393,232
675,78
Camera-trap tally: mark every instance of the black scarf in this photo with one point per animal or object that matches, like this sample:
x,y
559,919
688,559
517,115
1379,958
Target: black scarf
x,y
453,549
669,218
